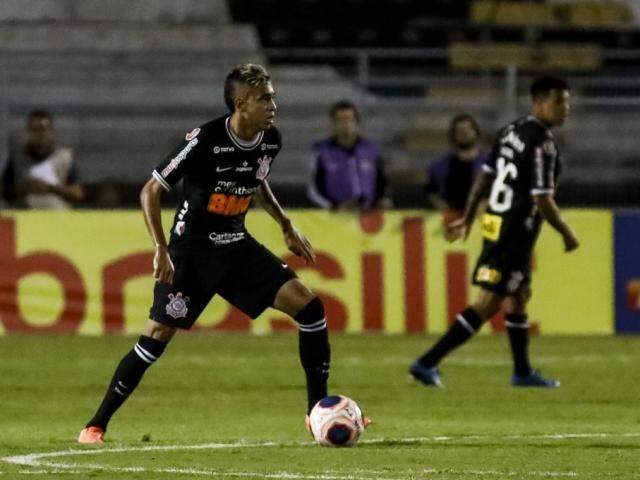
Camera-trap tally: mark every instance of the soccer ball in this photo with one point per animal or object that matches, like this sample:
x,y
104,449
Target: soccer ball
x,y
336,421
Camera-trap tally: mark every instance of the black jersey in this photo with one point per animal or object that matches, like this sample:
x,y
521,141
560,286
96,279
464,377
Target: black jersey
x,y
526,163
220,173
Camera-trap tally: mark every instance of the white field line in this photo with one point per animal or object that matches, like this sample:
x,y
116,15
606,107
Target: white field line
x,y
81,469
37,459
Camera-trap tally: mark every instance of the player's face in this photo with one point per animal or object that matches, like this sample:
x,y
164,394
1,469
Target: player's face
x,y
556,107
39,135
259,106
345,124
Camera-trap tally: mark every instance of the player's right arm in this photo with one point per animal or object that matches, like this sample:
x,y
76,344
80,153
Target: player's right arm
x,y
164,177
150,197
549,210
479,191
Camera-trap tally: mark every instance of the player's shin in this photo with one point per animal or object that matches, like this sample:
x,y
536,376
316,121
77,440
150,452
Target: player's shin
x,y
315,353
126,378
518,329
466,324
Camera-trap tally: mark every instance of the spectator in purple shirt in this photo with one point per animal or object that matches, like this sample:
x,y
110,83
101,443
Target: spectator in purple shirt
x,y
348,172
450,176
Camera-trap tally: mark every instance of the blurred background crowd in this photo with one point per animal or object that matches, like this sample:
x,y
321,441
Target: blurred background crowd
x,y
94,93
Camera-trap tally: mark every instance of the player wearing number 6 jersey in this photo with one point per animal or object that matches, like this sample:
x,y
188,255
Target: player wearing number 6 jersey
x,y
518,181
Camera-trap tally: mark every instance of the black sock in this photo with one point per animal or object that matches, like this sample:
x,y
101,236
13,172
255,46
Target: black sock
x,y
518,328
467,323
315,353
126,378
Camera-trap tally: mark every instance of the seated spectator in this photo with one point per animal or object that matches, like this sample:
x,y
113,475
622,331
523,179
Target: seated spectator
x,y
450,176
348,172
39,175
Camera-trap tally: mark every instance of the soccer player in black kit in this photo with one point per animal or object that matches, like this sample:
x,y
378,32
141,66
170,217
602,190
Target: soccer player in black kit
x,y
223,164
518,181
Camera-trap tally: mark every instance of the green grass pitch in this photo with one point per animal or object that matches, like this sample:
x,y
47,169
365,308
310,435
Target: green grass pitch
x,y
232,407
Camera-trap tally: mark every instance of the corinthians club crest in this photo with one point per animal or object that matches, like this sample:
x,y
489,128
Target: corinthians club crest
x,y
263,167
177,306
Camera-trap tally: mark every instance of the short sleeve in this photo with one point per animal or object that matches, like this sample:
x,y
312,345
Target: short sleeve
x,y
489,164
179,161
544,168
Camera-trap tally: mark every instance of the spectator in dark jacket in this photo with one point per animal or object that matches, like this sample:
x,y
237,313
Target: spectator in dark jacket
x,y
450,176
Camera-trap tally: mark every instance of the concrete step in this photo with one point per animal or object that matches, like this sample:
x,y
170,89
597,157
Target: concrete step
x,y
151,11
124,37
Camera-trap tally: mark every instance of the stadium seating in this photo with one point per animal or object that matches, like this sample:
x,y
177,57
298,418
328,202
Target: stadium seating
x,y
575,14
142,11
124,85
122,82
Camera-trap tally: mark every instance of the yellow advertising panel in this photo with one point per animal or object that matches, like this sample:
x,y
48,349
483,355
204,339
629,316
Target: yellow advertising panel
x,y
90,273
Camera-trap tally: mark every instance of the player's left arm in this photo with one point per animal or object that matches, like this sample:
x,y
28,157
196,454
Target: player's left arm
x,y
295,240
543,189
549,210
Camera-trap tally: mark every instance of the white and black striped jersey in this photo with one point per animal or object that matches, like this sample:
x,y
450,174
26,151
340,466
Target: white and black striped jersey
x,y
525,162
220,174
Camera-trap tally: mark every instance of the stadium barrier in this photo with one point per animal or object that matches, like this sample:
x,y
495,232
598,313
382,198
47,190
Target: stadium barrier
x,y
90,273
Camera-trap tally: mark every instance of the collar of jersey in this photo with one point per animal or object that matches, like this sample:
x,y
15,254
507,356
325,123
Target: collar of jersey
x,y
540,122
242,144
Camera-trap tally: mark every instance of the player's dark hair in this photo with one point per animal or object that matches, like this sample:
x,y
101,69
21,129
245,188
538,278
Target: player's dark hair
x,y
250,74
39,113
542,86
344,105
463,117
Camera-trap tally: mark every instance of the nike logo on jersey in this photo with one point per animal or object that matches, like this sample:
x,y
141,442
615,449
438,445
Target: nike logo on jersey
x,y
218,169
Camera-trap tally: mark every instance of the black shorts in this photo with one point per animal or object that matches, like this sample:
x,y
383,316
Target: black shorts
x,y
502,270
245,274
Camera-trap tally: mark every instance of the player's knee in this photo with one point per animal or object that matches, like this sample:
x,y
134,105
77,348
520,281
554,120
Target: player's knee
x,y
293,297
525,295
312,317
488,304
160,332
485,310
518,301
303,294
